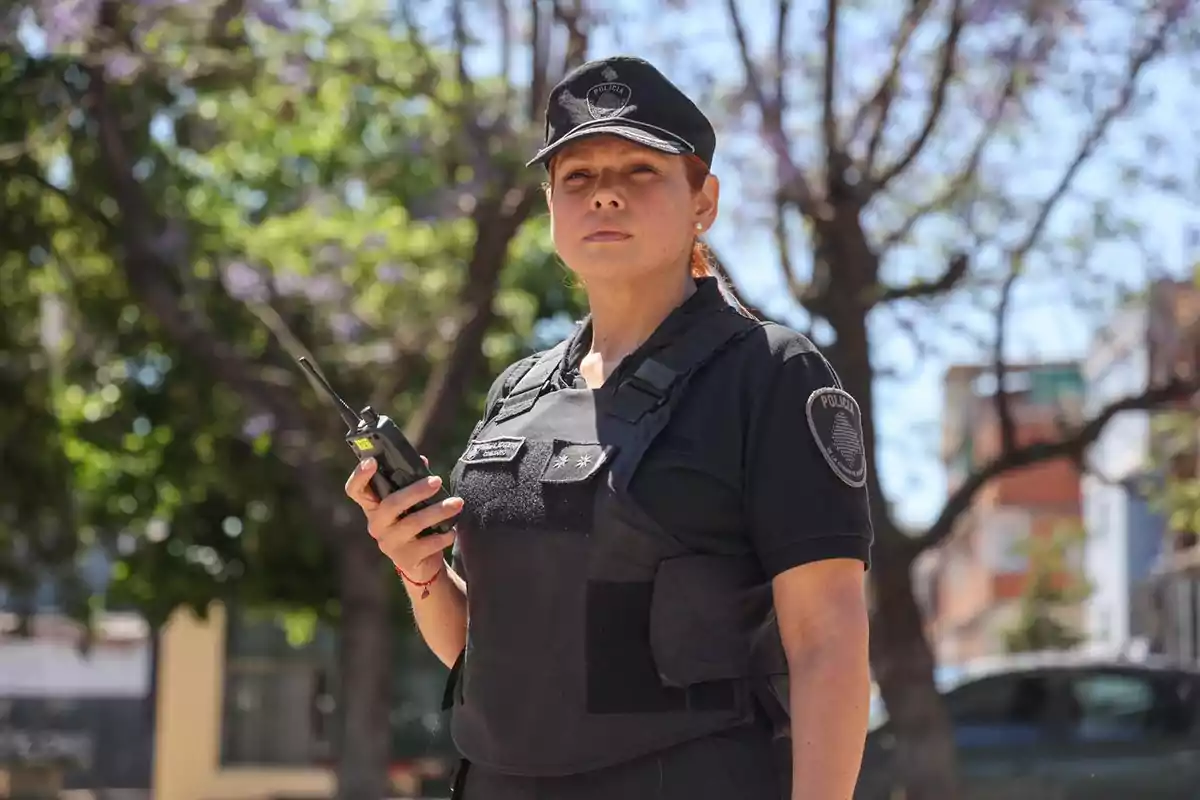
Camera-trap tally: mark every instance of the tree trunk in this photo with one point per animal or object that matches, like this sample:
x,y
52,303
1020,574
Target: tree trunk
x,y
365,670
923,758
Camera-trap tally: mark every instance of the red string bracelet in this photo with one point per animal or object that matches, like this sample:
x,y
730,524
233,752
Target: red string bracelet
x,y
421,584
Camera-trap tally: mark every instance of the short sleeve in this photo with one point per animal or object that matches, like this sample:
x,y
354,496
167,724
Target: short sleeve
x,y
806,469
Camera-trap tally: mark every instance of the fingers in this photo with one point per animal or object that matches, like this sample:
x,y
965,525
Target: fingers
x,y
397,503
386,522
398,540
358,485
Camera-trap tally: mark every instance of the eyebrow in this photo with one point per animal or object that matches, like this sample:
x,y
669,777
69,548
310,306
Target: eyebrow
x,y
588,158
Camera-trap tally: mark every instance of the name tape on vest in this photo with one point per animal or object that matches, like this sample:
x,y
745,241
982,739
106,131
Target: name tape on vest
x,y
499,450
836,423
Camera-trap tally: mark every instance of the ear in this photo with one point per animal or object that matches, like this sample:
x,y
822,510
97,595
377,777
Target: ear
x,y
707,201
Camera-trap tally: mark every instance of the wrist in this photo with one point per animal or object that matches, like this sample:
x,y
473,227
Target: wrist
x,y
422,576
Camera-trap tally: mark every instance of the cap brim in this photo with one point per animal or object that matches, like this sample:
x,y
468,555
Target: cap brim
x,y
673,145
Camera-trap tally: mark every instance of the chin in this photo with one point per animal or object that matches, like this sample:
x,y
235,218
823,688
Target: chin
x,y
613,265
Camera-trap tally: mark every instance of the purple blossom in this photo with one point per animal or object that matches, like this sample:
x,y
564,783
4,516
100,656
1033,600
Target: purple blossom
x,y
244,282
258,425
121,66
67,22
390,273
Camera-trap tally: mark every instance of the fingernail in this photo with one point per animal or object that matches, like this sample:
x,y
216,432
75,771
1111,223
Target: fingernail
x,y
454,501
434,481
368,463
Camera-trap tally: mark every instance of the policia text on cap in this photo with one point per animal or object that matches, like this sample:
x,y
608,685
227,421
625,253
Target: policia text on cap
x,y
657,583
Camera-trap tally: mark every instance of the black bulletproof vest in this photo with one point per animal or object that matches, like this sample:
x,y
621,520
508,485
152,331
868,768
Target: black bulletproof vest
x,y
594,635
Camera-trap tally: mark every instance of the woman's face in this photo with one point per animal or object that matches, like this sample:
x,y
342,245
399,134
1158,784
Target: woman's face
x,y
619,210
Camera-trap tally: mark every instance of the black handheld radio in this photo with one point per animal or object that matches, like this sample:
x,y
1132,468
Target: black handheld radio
x,y
373,435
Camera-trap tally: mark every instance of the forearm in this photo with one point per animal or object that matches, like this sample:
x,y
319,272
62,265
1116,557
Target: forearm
x,y
442,616
830,699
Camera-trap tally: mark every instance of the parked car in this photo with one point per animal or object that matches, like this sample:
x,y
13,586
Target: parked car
x,y
1063,726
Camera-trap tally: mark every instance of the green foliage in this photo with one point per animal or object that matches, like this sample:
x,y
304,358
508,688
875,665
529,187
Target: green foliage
x,y
319,201
1053,586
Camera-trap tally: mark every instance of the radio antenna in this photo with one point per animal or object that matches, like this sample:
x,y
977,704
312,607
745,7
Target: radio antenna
x,y
351,419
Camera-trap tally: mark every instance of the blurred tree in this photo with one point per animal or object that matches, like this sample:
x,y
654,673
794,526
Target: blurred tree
x,y
1054,587
193,195
917,164
1176,458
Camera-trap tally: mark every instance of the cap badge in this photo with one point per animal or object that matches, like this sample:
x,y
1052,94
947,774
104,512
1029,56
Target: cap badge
x,y
608,99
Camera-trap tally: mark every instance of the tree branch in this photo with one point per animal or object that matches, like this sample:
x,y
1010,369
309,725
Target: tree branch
x,y
881,99
956,270
828,115
1073,445
496,222
966,175
1008,429
782,14
27,168
937,102
794,185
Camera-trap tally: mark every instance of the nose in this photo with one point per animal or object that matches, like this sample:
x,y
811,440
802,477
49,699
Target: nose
x,y
606,195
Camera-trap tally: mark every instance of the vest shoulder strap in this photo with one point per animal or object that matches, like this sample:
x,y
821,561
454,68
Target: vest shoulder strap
x,y
647,398
525,388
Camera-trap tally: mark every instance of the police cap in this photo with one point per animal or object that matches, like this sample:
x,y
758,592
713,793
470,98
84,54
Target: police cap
x,y
627,97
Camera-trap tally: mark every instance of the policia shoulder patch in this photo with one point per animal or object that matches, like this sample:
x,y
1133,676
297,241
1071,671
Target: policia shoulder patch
x,y
836,424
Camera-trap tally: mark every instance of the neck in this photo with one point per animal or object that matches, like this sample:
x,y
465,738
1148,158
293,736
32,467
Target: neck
x,y
625,313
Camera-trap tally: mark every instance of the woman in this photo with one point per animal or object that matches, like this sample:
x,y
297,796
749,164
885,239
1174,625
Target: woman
x,y
662,520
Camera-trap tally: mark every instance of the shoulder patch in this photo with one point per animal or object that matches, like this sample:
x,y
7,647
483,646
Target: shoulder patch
x,y
836,423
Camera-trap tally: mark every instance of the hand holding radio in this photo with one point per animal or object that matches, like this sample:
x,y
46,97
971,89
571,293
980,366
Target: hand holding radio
x,y
397,527
408,511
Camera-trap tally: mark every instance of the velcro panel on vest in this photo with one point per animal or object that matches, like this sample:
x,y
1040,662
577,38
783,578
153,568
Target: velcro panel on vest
x,y
698,619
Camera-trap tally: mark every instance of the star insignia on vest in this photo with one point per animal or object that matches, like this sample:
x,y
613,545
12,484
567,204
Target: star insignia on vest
x,y
836,424
573,462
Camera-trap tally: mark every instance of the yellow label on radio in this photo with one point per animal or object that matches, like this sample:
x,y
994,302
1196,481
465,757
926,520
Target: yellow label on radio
x,y
362,444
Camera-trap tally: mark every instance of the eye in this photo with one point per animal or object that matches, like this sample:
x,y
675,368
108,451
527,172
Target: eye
x,y
644,168
575,175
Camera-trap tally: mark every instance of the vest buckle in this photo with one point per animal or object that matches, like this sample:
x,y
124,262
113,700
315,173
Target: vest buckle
x,y
643,391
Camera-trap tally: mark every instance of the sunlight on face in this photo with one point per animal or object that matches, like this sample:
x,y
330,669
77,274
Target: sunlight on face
x,y
619,210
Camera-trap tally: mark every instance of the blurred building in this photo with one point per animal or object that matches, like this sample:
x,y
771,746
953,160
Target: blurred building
x,y
244,714
972,582
1145,586
1124,535
79,720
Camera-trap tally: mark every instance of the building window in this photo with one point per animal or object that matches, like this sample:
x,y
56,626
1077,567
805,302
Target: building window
x,y
281,701
278,706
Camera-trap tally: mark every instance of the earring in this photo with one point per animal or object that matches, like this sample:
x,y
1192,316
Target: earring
x,y
699,226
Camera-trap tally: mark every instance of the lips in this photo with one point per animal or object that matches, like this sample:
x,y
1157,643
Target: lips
x,y
606,236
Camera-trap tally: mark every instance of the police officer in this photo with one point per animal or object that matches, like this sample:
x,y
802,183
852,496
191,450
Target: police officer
x,y
657,583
